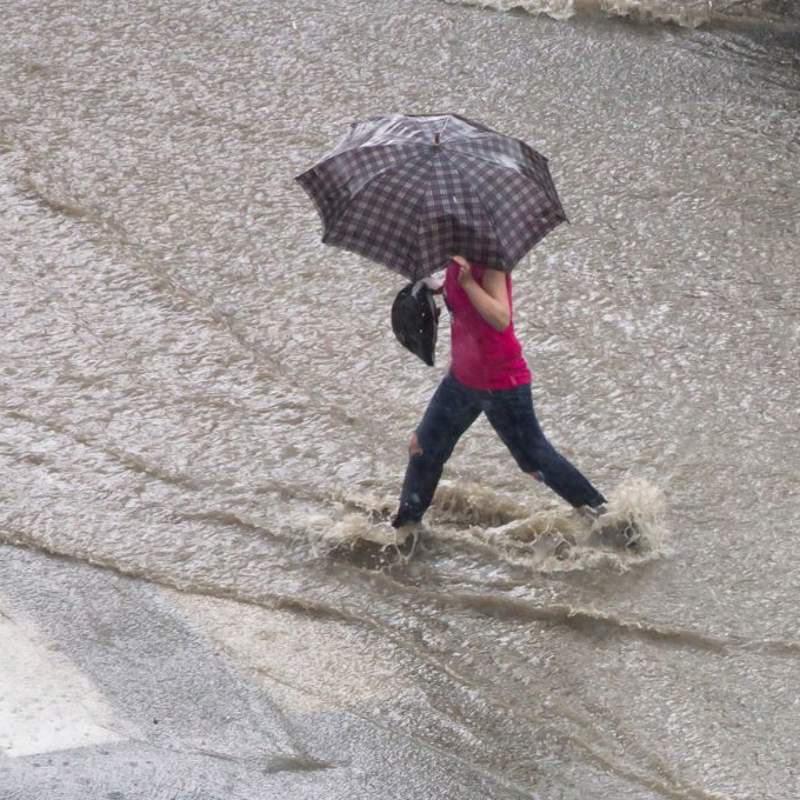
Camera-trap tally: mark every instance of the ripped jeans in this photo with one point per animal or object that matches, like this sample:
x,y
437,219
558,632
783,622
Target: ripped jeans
x,y
452,409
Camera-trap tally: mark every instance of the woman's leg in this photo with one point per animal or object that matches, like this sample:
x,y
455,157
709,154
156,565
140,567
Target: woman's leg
x,y
452,409
511,414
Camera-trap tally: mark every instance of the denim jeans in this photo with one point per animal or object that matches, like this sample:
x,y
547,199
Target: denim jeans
x,y
452,409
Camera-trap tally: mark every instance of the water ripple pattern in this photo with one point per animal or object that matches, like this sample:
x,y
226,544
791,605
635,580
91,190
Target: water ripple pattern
x,y
195,393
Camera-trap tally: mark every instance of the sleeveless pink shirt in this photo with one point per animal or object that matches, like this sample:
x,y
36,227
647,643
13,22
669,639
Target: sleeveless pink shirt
x,y
481,357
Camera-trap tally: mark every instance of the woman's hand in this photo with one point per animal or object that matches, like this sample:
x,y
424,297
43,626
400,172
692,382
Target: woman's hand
x,y
465,271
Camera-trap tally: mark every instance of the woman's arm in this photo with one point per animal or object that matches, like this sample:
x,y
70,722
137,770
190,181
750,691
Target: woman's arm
x,y
491,299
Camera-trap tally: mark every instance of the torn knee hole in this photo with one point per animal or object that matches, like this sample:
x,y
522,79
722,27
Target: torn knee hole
x,y
413,446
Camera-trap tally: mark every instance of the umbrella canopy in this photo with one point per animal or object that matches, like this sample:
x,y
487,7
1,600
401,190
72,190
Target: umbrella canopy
x,y
410,191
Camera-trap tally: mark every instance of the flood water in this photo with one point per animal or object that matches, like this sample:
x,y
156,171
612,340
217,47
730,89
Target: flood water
x,y
195,392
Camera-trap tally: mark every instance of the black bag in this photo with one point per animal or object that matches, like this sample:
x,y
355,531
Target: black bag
x,y
415,320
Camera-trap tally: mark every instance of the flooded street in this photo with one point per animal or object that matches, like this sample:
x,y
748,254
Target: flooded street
x,y
202,408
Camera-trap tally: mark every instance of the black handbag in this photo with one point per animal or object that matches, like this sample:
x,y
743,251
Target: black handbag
x,y
415,320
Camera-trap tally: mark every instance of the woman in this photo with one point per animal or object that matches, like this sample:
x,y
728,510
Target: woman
x,y
487,374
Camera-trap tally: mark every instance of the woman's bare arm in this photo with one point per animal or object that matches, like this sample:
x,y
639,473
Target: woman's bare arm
x,y
491,299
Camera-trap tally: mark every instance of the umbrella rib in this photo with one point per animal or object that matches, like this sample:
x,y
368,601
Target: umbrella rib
x,y
480,200
329,228
548,187
417,204
488,133
399,165
497,164
355,147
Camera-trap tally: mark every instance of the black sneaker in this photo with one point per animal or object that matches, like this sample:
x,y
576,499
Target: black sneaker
x,y
401,520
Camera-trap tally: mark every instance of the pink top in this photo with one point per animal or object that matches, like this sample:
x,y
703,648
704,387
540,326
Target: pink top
x,y
481,357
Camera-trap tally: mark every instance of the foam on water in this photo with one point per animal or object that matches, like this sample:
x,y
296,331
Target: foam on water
x,y
685,13
555,537
557,9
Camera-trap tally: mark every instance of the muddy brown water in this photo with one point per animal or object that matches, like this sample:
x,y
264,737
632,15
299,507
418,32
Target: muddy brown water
x,y
196,393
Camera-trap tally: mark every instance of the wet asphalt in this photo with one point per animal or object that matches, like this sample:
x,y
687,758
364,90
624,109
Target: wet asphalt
x,y
184,722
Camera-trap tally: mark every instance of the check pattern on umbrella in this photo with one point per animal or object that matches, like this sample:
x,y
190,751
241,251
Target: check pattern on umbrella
x,y
409,192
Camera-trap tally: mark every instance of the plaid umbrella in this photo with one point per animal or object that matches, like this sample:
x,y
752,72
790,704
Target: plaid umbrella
x,y
410,191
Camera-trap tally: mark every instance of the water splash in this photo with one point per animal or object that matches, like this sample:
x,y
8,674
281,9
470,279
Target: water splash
x,y
555,538
685,13
474,517
690,14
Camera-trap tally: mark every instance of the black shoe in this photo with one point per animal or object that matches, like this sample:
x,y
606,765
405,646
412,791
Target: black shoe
x,y
401,519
